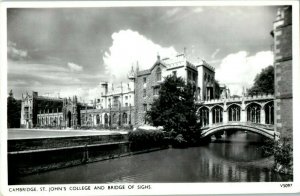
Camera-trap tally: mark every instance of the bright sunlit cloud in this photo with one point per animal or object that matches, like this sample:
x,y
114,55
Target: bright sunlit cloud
x,y
128,48
238,70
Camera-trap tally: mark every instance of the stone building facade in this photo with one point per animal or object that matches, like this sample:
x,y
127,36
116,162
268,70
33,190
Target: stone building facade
x,y
283,56
115,107
147,82
41,111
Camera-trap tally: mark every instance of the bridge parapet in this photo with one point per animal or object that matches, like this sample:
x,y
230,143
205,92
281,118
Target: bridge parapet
x,y
252,124
238,99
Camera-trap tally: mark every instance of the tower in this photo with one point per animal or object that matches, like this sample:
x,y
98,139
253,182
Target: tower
x,y
282,34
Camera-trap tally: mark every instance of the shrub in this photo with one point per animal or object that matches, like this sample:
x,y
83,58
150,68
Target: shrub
x,y
282,151
179,142
142,139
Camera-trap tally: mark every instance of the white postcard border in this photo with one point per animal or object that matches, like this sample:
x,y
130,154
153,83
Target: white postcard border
x,y
156,188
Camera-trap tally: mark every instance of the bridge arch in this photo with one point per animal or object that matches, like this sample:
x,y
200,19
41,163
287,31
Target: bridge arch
x,y
252,102
231,104
251,128
217,105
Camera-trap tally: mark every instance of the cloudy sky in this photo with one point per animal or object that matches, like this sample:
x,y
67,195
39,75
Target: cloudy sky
x,y
69,51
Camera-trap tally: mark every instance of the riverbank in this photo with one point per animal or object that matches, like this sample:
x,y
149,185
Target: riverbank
x,y
30,154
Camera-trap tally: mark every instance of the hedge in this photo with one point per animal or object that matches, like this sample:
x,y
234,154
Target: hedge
x,y
142,139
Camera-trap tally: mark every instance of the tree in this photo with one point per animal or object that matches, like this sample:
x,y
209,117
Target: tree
x,y
263,82
175,108
13,111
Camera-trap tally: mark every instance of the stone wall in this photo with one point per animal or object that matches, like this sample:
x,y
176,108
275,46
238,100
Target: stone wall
x,y
283,71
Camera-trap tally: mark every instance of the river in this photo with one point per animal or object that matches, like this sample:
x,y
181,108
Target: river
x,y
238,159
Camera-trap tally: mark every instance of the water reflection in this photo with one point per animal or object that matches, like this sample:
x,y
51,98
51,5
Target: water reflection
x,y
233,161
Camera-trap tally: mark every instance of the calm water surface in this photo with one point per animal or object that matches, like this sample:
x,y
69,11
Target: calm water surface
x,y
236,161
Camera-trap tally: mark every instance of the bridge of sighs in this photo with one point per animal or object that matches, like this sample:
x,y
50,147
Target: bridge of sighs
x,y
255,114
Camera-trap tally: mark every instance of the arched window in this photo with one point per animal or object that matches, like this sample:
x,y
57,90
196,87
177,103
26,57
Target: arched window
x,y
205,76
114,118
269,113
234,113
106,119
98,119
204,116
120,119
217,114
158,74
253,113
125,119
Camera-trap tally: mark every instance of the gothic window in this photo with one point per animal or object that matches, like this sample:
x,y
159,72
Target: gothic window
x,y
98,119
125,119
217,114
269,113
105,118
114,119
253,113
158,74
204,116
234,113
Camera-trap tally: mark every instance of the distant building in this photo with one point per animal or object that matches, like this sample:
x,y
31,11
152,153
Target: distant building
x,y
41,111
147,82
283,56
114,107
122,105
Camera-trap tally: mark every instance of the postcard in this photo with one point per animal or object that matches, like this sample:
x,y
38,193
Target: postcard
x,y
149,97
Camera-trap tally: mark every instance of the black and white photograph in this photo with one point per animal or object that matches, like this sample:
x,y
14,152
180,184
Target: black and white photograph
x,y
128,96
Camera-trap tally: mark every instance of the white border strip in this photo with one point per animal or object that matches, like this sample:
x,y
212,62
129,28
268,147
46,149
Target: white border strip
x,y
156,188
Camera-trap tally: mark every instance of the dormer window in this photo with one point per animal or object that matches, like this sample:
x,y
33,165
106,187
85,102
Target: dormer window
x,y
158,74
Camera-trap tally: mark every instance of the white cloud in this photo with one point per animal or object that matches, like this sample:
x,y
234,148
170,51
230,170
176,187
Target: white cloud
x,y
129,47
15,53
238,70
75,68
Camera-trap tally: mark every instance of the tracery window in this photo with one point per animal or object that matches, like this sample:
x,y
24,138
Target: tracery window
x,y
234,113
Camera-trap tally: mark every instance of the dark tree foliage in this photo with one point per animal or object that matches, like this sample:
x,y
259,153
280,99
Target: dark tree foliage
x,y
175,108
263,82
13,111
